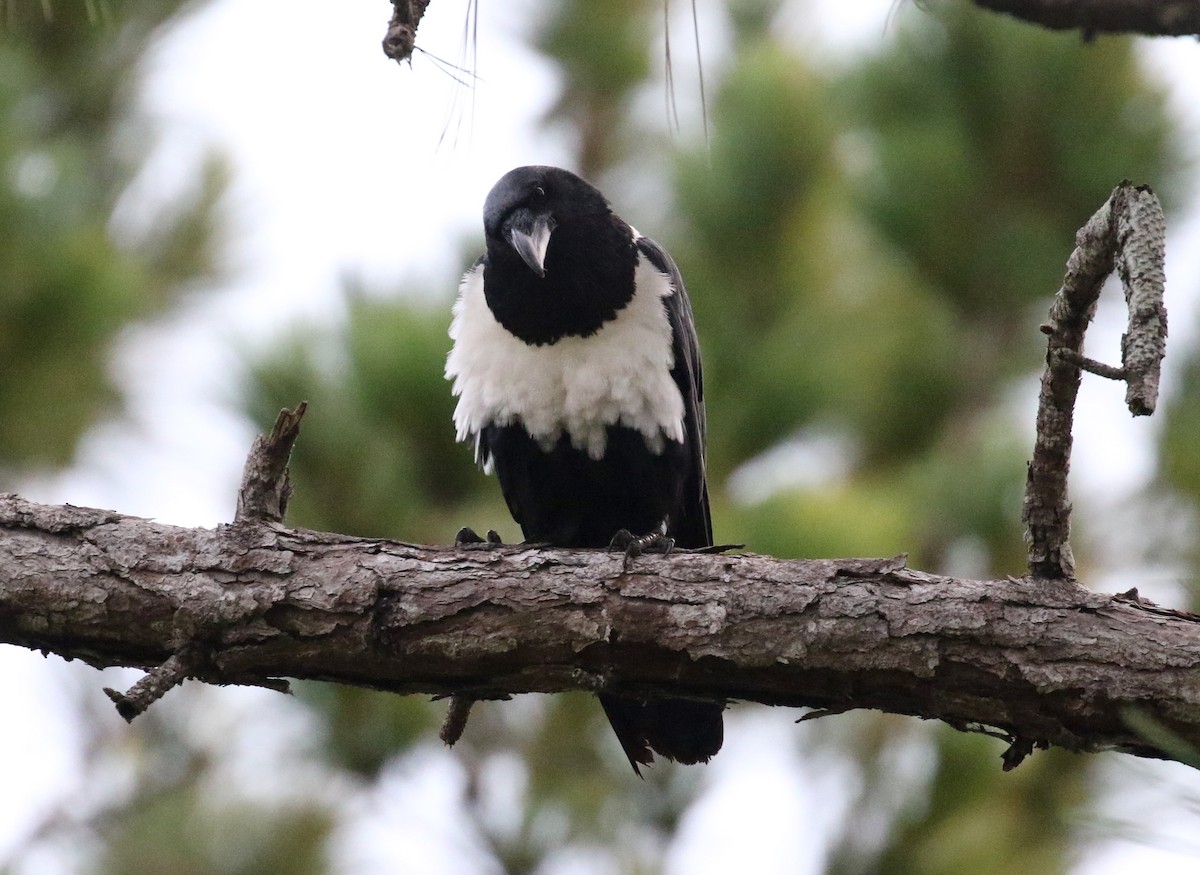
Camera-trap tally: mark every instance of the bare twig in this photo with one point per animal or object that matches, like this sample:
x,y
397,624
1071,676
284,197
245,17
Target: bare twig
x,y
265,489
153,686
1127,233
818,713
456,720
1100,369
1020,748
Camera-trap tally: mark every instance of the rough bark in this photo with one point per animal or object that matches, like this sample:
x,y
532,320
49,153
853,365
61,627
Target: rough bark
x,y
1043,662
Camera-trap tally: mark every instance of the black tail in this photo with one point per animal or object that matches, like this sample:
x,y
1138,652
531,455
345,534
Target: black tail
x,y
679,729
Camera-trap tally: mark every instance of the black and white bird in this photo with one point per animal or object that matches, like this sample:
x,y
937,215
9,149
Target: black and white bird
x,y
577,372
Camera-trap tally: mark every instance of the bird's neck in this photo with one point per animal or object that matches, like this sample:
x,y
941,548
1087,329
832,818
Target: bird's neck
x,y
589,279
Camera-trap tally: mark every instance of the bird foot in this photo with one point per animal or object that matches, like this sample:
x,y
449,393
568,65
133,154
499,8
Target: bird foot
x,y
469,538
634,545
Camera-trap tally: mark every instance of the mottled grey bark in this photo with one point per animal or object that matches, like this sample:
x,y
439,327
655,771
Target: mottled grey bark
x,y
1041,661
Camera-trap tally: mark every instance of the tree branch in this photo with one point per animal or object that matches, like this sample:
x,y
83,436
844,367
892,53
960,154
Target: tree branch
x,y
1148,17
401,36
1127,233
266,487
1044,662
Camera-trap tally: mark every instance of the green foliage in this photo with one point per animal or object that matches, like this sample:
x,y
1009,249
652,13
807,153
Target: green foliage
x,y
68,152
1179,473
187,832
578,790
379,454
366,728
748,206
604,55
1180,459
972,820
973,137
869,257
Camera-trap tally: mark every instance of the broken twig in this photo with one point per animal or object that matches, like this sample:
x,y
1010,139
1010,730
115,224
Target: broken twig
x,y
153,686
456,720
266,488
401,37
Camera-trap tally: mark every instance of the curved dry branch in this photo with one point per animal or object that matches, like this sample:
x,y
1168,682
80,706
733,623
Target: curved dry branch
x,y
1127,233
1045,662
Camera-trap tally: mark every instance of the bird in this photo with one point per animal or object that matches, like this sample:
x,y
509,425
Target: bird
x,y
577,371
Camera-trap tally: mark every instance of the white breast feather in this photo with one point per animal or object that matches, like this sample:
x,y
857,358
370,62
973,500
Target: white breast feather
x,y
579,385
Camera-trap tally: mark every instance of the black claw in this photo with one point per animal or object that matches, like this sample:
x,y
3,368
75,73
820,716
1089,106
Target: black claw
x,y
621,541
468,537
658,543
634,546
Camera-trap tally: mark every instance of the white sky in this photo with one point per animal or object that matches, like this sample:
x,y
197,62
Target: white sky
x,y
339,172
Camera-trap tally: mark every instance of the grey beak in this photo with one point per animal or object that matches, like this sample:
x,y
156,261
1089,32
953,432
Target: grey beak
x,y
529,234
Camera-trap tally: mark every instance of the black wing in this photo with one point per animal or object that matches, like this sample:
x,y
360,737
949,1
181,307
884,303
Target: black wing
x,y
692,526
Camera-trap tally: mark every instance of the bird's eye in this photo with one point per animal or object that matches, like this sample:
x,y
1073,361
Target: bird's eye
x,y
538,191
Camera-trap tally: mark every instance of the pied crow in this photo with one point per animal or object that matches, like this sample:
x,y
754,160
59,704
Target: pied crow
x,y
577,372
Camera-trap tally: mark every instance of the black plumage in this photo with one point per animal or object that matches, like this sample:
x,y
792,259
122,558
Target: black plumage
x,y
579,381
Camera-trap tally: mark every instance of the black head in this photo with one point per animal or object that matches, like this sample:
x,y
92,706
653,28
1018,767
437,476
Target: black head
x,y
528,203
558,261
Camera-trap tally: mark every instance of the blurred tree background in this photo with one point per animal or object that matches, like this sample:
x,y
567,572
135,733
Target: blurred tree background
x,y
869,251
